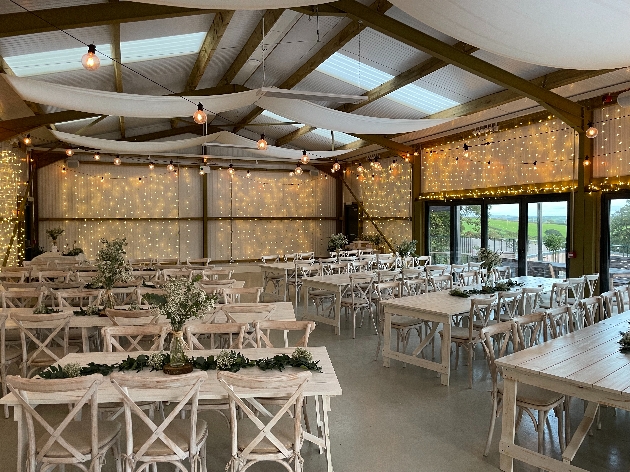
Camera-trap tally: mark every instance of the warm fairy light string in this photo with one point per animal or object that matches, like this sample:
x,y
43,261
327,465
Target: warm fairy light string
x,y
12,186
610,160
511,153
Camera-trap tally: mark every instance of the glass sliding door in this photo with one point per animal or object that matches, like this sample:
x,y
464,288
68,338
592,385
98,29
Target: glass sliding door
x,y
503,233
467,232
547,239
619,247
439,234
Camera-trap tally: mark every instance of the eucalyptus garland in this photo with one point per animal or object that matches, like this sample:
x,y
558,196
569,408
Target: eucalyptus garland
x,y
624,342
231,361
503,286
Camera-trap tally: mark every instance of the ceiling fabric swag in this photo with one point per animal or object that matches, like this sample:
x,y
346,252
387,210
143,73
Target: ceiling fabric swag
x,y
150,106
555,33
128,147
231,140
624,99
235,5
327,118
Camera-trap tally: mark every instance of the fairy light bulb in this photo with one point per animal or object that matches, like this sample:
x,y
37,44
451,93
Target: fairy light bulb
x,y
587,162
170,167
336,166
305,159
298,169
262,143
69,152
201,172
116,161
291,174
151,165
535,162
90,60
27,140
200,116
63,169
360,169
466,152
249,174
97,156
591,132
231,169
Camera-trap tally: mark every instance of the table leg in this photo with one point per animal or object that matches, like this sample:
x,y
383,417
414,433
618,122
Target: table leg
x,y
387,337
86,339
326,409
338,311
506,463
446,352
305,314
22,438
286,286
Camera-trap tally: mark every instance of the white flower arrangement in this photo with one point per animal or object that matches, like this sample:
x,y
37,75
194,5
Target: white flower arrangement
x,y
302,354
226,359
112,264
156,360
337,242
72,370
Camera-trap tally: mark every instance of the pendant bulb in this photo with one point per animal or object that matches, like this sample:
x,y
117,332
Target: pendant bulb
x,y
90,60
200,116
262,143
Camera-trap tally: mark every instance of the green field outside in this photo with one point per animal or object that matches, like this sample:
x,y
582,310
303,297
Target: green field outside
x,y
503,228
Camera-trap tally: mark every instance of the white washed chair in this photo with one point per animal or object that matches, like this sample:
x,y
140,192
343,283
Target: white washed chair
x,y
233,295
321,296
173,440
263,329
414,281
14,276
532,329
216,333
528,398
203,261
22,298
9,354
591,283
276,438
78,298
558,296
467,278
54,276
502,272
154,334
358,300
246,313
387,275
131,317
457,269
611,301
576,290
48,345
508,304
560,320
81,443
530,299
176,274
587,312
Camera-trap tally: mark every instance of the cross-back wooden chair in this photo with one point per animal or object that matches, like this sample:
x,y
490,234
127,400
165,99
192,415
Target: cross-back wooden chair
x,y
142,291
131,317
215,274
151,336
559,295
146,275
78,298
591,283
176,274
296,275
611,304
576,290
168,261
496,340
508,304
587,312
125,295
44,339
13,277
441,282
81,443
9,354
560,320
532,329
467,277
263,329
624,295
29,298
173,440
265,437
457,269
233,295
54,276
202,261
502,272
357,299
218,335
530,299
387,275
414,281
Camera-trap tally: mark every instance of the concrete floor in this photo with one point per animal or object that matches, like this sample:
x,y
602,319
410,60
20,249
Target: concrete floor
x,y
402,419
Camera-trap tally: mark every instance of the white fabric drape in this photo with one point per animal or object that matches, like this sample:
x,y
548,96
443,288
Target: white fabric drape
x,y
235,4
624,99
231,140
577,34
327,118
127,147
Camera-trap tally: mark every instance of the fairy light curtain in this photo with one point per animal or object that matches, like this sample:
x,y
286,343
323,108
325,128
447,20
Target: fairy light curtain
x,y
532,154
611,148
12,186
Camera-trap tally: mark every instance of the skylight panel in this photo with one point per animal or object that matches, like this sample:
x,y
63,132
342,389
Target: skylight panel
x,y
156,48
49,62
367,77
339,136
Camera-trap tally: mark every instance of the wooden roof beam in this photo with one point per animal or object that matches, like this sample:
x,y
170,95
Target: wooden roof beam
x,y
83,16
118,82
569,111
210,44
11,128
327,50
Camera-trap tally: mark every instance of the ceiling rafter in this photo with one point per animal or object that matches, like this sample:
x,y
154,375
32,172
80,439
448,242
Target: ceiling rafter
x,y
327,50
210,44
83,16
11,128
118,81
569,111
404,78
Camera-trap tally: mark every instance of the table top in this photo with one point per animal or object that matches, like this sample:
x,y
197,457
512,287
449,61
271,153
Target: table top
x,y
334,279
278,265
324,383
588,358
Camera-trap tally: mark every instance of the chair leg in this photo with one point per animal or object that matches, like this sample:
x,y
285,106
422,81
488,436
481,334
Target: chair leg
x,y
354,323
493,421
542,416
560,414
470,365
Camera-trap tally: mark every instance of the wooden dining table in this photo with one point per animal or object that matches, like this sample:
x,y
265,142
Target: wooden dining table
x,y
324,386
585,364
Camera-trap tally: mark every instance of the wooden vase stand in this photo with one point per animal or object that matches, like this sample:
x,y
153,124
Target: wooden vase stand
x,y
184,369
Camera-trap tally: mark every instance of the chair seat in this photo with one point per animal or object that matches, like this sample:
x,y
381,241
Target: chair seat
x,y
357,302
79,435
457,332
321,293
43,358
402,322
535,396
284,430
178,432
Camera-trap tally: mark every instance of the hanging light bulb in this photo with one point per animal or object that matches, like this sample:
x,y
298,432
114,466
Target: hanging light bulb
x,y
262,143
97,156
248,175
488,164
587,162
416,153
117,160
305,159
466,153
200,116
336,166
291,174
377,164
151,165
231,169
298,169
201,172
69,152
360,169
535,162
591,132
90,60
63,169
27,140
170,167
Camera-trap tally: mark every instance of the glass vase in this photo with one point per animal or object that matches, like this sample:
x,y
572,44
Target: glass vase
x,y
178,349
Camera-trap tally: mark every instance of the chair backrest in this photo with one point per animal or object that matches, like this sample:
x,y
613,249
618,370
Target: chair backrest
x,y
233,295
146,275
532,329
361,286
386,291
591,283
333,268
508,303
414,280
131,317
387,275
214,274
22,298
14,276
610,301
531,299
287,385
219,335
291,257
54,276
468,277
203,261
560,320
264,328
442,282
151,335
434,270
588,312
481,312
84,392
623,295
307,255
176,274
559,294
124,295
505,334
247,312
188,384
474,265
386,262
458,268
576,288
502,272
422,261
42,332
271,259
78,298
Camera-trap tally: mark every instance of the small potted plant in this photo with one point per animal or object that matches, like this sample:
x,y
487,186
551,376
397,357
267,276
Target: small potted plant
x,y
489,260
112,267
54,233
336,242
183,300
